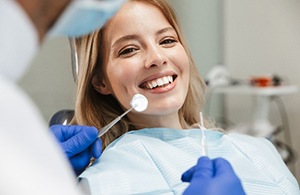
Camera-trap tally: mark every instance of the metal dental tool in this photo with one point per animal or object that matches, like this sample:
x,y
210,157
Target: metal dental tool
x,y
74,58
203,140
138,102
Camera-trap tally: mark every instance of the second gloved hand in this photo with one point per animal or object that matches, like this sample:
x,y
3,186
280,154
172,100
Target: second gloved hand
x,y
212,177
80,143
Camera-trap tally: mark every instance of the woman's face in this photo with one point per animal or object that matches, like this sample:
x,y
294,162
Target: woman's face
x,y
145,56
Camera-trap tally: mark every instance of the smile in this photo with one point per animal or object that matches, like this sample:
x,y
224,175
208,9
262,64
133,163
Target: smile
x,y
159,82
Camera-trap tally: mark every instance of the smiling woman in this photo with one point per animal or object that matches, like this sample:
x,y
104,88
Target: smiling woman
x,y
137,57
147,152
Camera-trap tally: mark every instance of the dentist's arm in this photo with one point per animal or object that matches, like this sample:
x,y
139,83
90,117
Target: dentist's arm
x,y
212,177
80,144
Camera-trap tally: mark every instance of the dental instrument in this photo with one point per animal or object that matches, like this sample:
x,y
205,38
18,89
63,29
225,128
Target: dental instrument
x,y
138,102
203,139
74,58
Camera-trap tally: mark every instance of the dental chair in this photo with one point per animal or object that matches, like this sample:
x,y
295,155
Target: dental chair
x,y
62,117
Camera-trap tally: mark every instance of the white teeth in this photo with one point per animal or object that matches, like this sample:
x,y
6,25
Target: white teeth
x,y
154,84
159,82
166,80
149,85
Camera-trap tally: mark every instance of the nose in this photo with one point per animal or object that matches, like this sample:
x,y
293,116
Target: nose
x,y
155,57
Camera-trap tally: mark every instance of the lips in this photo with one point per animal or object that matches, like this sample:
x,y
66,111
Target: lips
x,y
158,82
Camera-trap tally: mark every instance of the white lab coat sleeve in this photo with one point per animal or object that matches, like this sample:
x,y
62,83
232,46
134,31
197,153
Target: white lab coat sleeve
x,y
18,38
32,162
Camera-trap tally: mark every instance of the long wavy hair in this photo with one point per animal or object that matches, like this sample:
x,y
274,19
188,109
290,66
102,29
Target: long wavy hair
x,y
95,109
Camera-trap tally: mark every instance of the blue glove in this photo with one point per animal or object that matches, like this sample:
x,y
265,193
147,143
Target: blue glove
x,y
80,143
212,177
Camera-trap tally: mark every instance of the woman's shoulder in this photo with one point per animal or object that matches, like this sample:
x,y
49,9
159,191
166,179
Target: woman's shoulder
x,y
245,139
258,150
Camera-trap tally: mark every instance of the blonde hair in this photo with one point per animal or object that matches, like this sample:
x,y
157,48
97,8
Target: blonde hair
x,y
95,109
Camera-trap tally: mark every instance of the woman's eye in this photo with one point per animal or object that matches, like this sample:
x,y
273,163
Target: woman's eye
x,y
126,51
168,41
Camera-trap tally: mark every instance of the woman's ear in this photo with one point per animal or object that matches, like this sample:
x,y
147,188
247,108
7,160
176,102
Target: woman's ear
x,y
100,85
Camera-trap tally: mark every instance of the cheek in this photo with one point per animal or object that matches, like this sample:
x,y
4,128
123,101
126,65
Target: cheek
x,y
183,64
120,74
184,60
180,58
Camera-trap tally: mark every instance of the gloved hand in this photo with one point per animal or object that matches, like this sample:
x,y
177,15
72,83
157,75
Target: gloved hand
x,y
80,143
212,177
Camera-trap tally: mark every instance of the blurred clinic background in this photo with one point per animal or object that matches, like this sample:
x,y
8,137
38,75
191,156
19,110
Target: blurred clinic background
x,y
247,51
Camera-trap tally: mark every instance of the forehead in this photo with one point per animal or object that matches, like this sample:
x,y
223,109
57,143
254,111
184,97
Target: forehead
x,y
135,17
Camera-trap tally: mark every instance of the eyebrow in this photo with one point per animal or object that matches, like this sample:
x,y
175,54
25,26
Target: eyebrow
x,y
169,28
125,38
131,37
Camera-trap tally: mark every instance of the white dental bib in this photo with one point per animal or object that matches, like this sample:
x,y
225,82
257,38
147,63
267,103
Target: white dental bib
x,y
151,161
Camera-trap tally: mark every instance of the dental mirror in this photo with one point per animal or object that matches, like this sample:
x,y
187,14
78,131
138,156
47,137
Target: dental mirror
x,y
138,102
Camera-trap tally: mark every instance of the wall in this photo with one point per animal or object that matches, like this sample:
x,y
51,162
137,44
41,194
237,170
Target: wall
x,y
49,81
263,37
202,26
